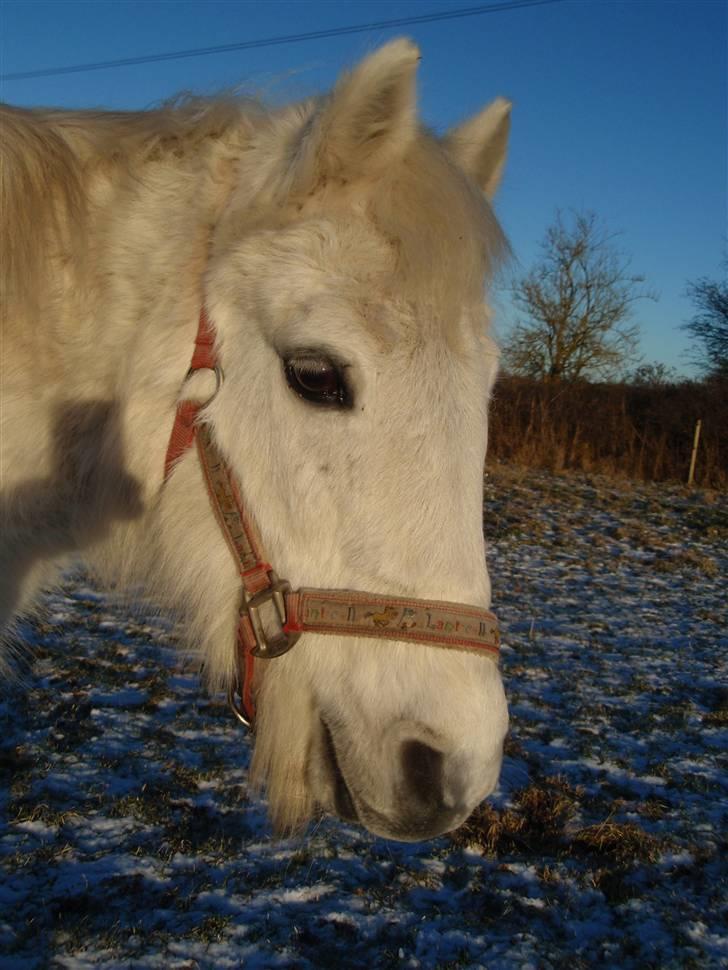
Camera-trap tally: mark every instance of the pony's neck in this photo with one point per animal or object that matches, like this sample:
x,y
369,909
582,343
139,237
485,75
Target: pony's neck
x,y
110,218
107,339
155,232
155,237
110,215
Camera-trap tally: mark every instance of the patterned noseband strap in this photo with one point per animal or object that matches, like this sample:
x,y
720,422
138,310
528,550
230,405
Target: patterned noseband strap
x,y
272,616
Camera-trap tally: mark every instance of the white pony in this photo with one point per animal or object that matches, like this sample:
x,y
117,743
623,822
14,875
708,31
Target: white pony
x,y
341,252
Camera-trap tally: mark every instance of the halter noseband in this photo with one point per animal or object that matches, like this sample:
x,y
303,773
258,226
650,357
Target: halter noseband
x,y
342,612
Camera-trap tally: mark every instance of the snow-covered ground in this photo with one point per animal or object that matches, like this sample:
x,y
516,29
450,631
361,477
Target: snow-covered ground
x,y
128,837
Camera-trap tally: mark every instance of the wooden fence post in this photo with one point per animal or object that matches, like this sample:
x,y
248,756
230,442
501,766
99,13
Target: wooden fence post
x,y
696,439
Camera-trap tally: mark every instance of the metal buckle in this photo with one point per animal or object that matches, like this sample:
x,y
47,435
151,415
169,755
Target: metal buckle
x,y
268,647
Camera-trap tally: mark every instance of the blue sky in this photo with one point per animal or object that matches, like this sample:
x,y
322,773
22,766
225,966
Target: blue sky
x,y
620,107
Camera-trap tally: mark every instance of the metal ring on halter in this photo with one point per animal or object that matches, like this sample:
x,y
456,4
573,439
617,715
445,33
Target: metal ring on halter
x,y
237,708
219,378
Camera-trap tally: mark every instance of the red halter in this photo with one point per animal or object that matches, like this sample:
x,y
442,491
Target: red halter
x,y
340,612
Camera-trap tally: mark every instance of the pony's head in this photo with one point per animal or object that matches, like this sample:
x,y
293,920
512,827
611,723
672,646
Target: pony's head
x,y
346,290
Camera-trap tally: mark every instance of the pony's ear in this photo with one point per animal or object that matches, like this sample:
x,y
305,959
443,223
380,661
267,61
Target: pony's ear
x,y
368,119
479,145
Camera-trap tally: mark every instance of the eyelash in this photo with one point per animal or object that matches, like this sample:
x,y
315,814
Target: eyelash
x,y
317,379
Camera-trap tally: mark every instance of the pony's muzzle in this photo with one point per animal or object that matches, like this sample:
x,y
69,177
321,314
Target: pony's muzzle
x,y
431,790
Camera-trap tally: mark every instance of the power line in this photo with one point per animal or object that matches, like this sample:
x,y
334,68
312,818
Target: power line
x,y
281,39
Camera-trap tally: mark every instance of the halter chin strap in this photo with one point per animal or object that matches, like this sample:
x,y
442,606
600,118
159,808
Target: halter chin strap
x,y
272,617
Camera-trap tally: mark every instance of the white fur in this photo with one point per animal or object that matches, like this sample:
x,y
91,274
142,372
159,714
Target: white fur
x,y
337,225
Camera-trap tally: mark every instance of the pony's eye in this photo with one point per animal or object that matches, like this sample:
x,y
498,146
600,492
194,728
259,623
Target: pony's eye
x,y
317,379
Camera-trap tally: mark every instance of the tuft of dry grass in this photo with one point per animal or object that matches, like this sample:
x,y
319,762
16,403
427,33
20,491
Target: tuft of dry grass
x,y
623,843
537,821
716,718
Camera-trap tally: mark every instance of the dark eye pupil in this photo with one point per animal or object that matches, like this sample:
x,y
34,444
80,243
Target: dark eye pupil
x,y
317,379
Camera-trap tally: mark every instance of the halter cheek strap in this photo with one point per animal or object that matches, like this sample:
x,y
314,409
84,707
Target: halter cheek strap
x,y
267,601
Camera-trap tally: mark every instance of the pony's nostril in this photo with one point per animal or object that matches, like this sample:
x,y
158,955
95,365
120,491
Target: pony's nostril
x,y
422,769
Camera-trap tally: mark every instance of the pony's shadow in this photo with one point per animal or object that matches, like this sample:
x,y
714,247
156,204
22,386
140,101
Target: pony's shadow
x,y
45,520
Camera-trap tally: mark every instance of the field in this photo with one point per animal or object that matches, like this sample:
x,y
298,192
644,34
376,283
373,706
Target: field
x,y
129,839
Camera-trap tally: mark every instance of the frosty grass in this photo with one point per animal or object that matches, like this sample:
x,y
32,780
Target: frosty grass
x,y
128,837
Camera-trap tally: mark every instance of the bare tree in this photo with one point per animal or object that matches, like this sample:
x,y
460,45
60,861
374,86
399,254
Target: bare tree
x,y
653,375
574,307
710,324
